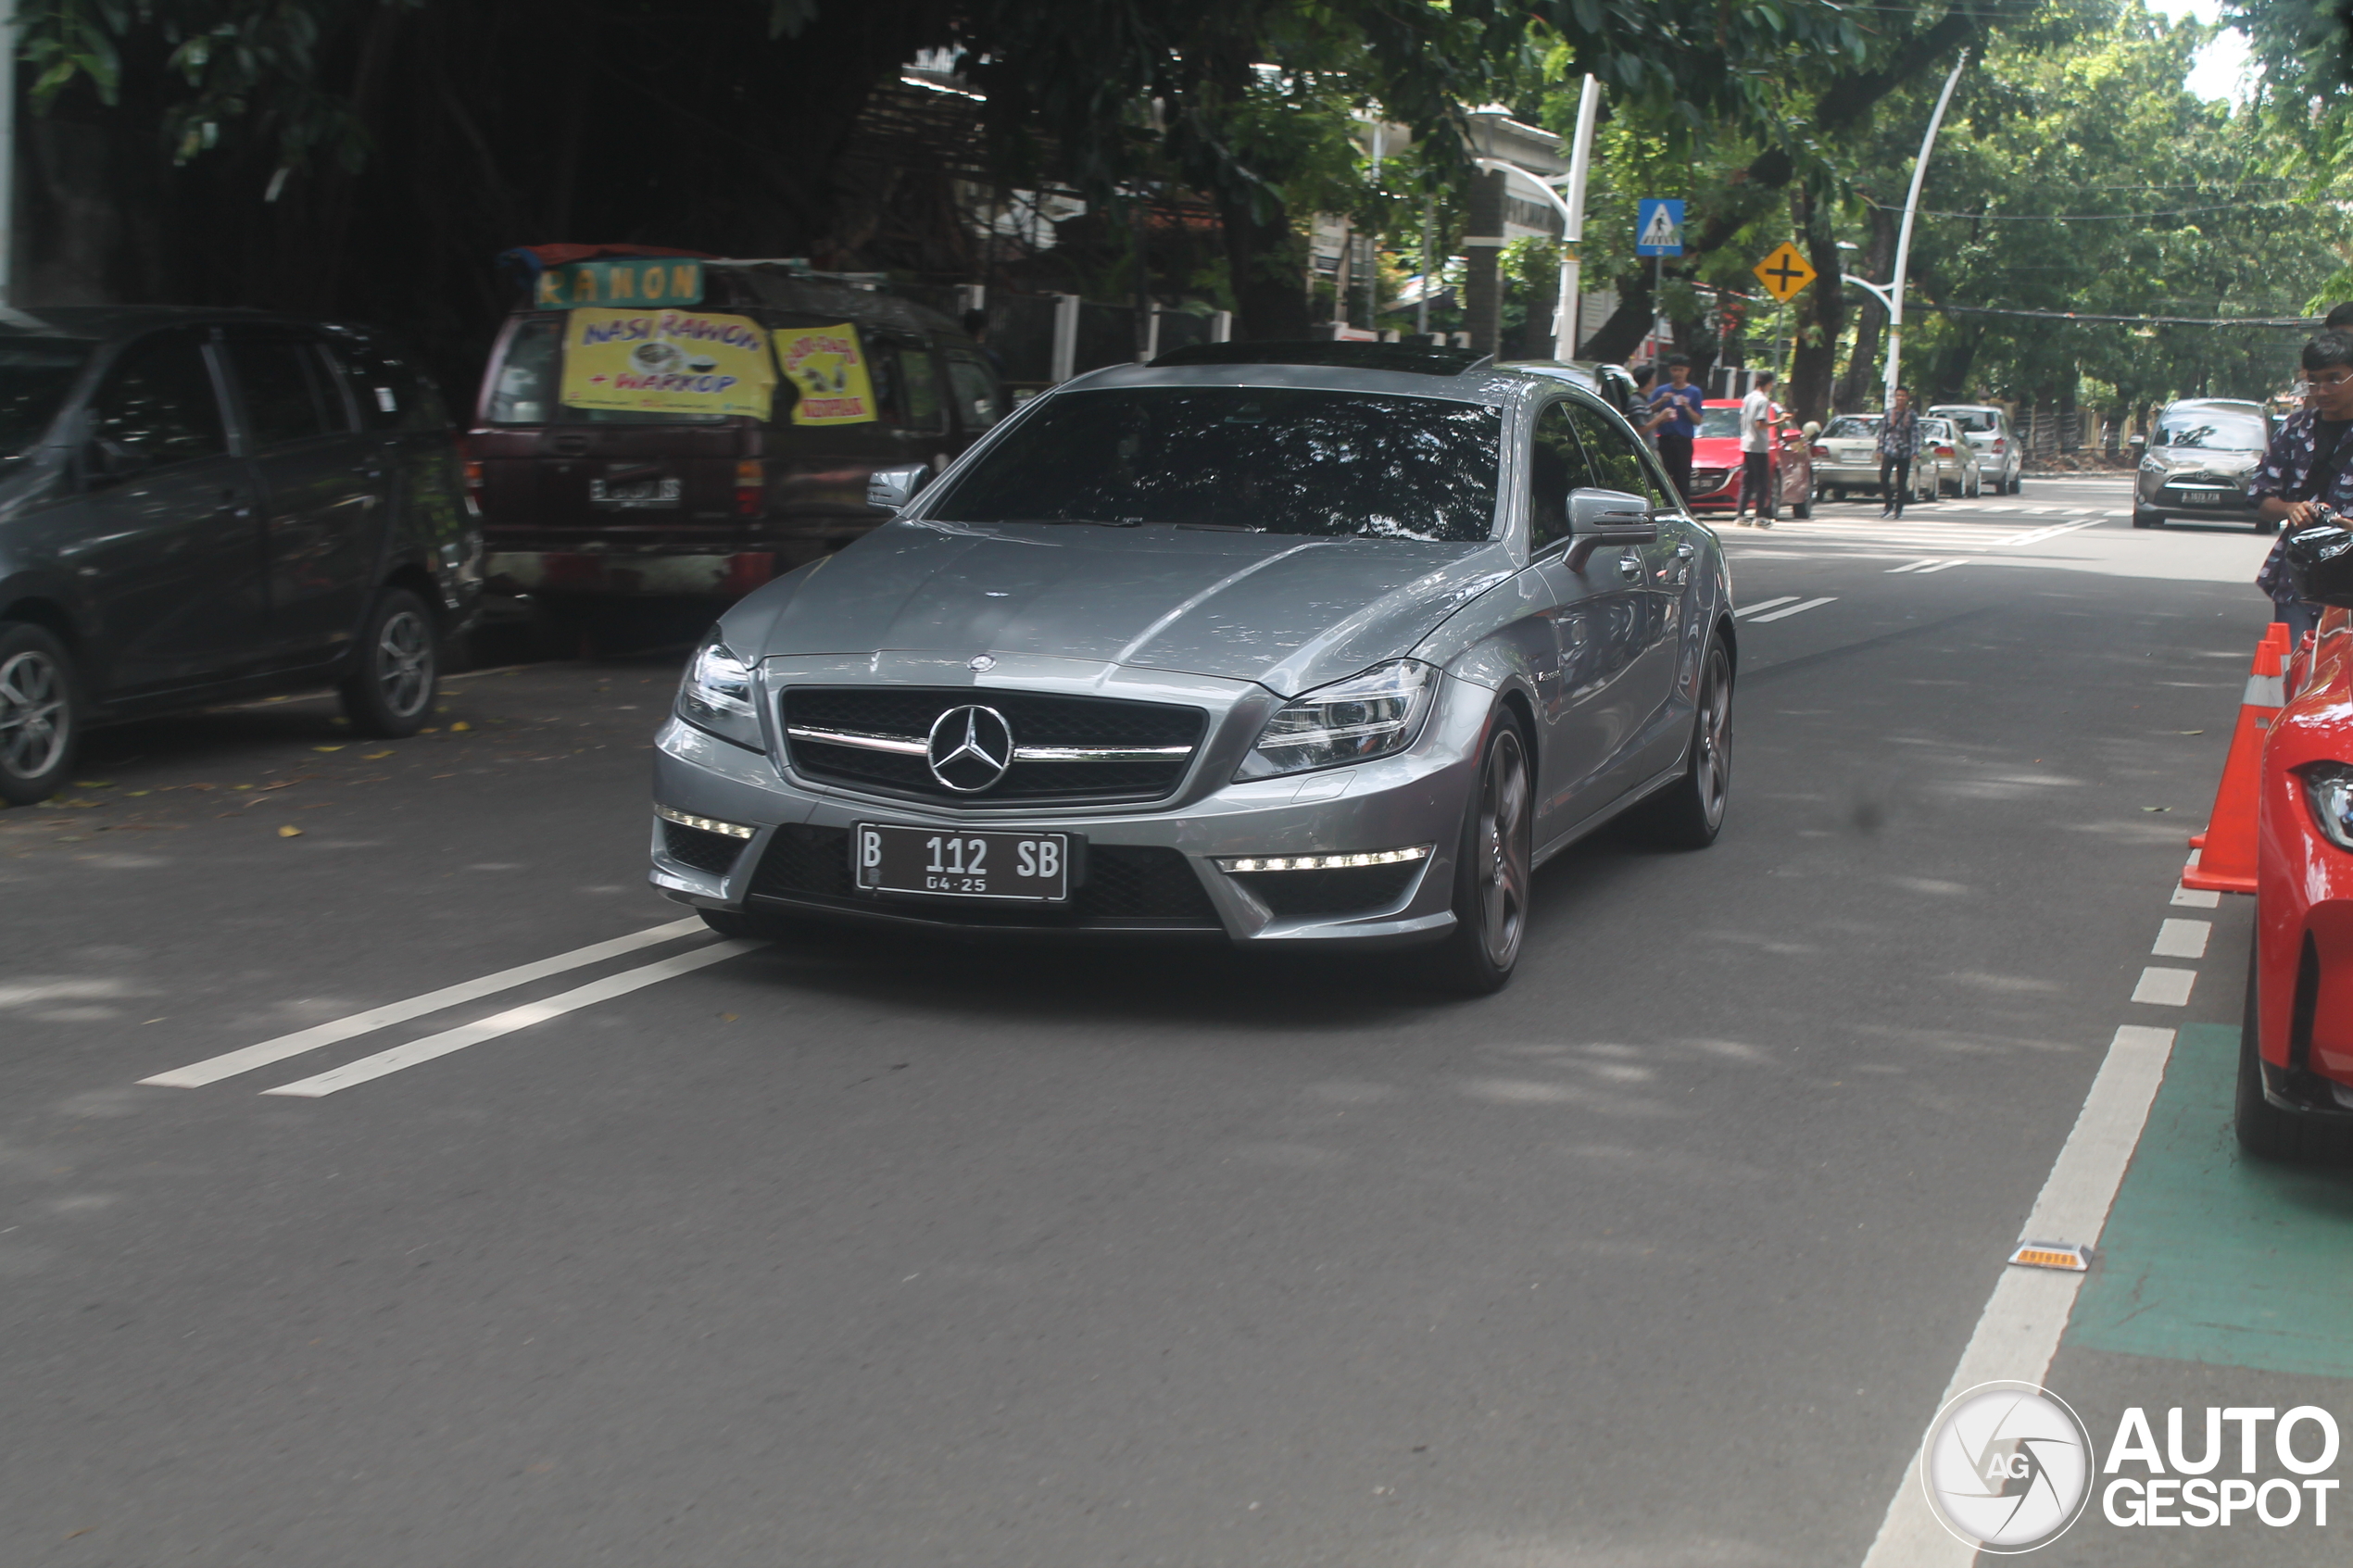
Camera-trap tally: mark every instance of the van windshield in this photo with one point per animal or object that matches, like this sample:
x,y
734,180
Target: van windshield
x,y
35,378
524,383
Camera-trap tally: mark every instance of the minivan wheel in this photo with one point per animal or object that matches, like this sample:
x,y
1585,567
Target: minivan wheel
x,y
40,713
395,672
1492,869
1689,813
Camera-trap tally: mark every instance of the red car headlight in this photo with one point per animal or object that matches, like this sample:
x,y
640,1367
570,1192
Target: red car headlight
x,y
2328,789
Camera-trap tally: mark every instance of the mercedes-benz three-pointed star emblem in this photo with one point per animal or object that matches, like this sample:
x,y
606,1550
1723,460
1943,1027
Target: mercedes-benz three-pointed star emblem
x,y
970,748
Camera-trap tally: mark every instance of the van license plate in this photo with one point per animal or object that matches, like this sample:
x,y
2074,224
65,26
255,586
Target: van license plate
x,y
2201,497
641,495
1032,868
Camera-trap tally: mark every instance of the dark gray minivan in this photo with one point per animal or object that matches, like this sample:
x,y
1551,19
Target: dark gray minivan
x,y
203,505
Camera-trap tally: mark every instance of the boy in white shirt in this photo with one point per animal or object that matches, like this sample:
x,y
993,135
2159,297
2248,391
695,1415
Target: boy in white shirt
x,y
1760,420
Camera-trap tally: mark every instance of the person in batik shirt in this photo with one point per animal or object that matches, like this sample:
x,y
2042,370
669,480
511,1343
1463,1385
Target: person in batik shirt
x,y
2309,469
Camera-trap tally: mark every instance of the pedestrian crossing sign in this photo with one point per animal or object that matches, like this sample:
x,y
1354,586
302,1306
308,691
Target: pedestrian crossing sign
x,y
1784,272
1658,227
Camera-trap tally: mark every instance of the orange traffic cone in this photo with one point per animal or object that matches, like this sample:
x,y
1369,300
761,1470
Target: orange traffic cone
x,y
2226,858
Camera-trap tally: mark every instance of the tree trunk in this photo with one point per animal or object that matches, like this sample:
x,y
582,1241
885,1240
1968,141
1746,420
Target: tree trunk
x,y
1266,261
1821,310
1855,387
1629,324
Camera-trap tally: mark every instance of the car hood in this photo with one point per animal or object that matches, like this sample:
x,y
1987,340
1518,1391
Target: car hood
x,y
1717,451
1291,613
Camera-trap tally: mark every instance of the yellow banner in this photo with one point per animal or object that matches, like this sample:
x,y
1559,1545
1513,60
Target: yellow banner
x,y
667,361
829,369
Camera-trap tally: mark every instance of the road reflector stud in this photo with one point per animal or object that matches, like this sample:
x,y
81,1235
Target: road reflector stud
x,y
2073,1255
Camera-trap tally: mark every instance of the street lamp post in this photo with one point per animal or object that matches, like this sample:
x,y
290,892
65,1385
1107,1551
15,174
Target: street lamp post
x,y
1892,297
1571,208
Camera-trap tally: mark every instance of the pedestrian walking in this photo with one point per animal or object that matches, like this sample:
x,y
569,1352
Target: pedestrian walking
x,y
1760,423
1637,411
1681,403
1899,443
2308,470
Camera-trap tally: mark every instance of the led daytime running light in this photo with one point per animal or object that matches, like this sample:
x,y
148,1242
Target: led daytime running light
x,y
707,825
1323,862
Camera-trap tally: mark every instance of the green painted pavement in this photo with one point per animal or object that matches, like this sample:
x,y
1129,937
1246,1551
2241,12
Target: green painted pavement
x,y
2210,1257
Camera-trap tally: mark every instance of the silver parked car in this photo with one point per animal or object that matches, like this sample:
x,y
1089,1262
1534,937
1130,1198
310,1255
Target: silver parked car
x,y
2200,461
1846,461
1321,645
1987,425
1956,459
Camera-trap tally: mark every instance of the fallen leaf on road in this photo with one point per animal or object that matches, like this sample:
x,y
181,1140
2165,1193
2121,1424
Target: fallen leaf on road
x,y
461,725
375,755
326,748
137,793
2157,808
2189,732
93,783
289,832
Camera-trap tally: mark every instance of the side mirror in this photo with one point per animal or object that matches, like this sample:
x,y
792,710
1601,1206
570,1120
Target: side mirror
x,y
893,488
105,462
1606,517
2319,562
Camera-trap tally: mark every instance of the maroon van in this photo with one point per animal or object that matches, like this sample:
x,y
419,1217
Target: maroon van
x,y
581,503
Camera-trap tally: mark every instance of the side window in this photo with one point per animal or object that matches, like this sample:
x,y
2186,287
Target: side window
x,y
919,388
389,392
522,388
1617,463
158,405
979,401
275,375
1556,464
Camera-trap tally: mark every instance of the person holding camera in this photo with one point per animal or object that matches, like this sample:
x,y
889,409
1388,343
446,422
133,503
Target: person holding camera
x,y
2307,474
1681,403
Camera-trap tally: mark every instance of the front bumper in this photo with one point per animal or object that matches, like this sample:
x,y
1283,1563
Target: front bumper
x,y
1149,868
2165,497
2304,898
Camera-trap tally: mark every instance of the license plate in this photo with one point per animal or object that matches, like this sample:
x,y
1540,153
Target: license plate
x,y
2201,497
642,495
1011,867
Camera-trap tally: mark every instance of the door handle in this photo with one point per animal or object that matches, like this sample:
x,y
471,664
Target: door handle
x,y
1630,566
1685,551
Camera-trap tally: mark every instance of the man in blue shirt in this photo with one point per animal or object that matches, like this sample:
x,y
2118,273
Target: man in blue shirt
x,y
1681,402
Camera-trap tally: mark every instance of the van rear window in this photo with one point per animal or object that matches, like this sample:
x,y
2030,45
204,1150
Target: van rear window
x,y
524,381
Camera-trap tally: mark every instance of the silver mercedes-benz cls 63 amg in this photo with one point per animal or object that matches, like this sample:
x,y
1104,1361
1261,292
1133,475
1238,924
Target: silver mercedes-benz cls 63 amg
x,y
1283,645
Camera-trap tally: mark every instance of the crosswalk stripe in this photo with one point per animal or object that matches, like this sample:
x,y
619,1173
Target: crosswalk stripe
x,y
1941,566
1764,604
1913,567
1794,610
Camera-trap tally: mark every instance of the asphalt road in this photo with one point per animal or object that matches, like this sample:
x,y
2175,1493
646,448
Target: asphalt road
x,y
879,1253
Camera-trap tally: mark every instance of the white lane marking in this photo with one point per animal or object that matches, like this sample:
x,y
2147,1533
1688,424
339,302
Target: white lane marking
x,y
213,1069
2182,938
457,1039
2036,537
1913,567
2196,897
1764,604
1794,610
1941,566
2019,1332
2165,987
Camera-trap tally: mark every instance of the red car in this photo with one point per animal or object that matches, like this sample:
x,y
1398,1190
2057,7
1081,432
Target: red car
x,y
2295,1062
1715,464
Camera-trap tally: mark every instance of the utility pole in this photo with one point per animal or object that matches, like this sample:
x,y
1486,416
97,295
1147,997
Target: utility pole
x,y
1581,163
1904,239
1421,309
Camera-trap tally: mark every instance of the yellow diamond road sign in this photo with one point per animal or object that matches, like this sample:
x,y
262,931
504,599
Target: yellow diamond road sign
x,y
1785,271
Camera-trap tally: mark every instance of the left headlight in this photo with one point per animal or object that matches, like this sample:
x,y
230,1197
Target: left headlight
x,y
2328,788
1367,715
716,694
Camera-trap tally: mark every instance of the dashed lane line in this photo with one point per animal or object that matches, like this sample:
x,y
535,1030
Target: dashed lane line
x,y
1914,566
213,1069
1764,604
2165,987
2182,938
1942,565
431,1047
1794,610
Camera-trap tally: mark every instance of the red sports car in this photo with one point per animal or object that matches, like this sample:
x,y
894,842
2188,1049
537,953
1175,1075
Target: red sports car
x,y
1715,464
2295,1063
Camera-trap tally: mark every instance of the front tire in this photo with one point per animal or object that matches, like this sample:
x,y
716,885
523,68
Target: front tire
x,y
40,713
1689,813
397,669
2264,1130
1492,869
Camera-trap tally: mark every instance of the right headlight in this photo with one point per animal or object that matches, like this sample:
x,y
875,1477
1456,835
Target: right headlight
x,y
1367,715
2328,789
716,694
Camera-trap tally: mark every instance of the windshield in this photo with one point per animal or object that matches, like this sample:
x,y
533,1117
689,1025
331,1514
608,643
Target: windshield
x,y
1852,427
1977,420
2211,430
1723,423
524,383
1272,459
33,382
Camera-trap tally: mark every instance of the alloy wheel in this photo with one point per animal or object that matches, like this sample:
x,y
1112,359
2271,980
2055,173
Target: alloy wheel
x,y
404,662
1712,768
1501,848
35,725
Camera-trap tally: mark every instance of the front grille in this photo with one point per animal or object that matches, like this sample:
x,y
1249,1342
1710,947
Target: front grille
x,y
712,852
904,716
1124,884
1351,891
